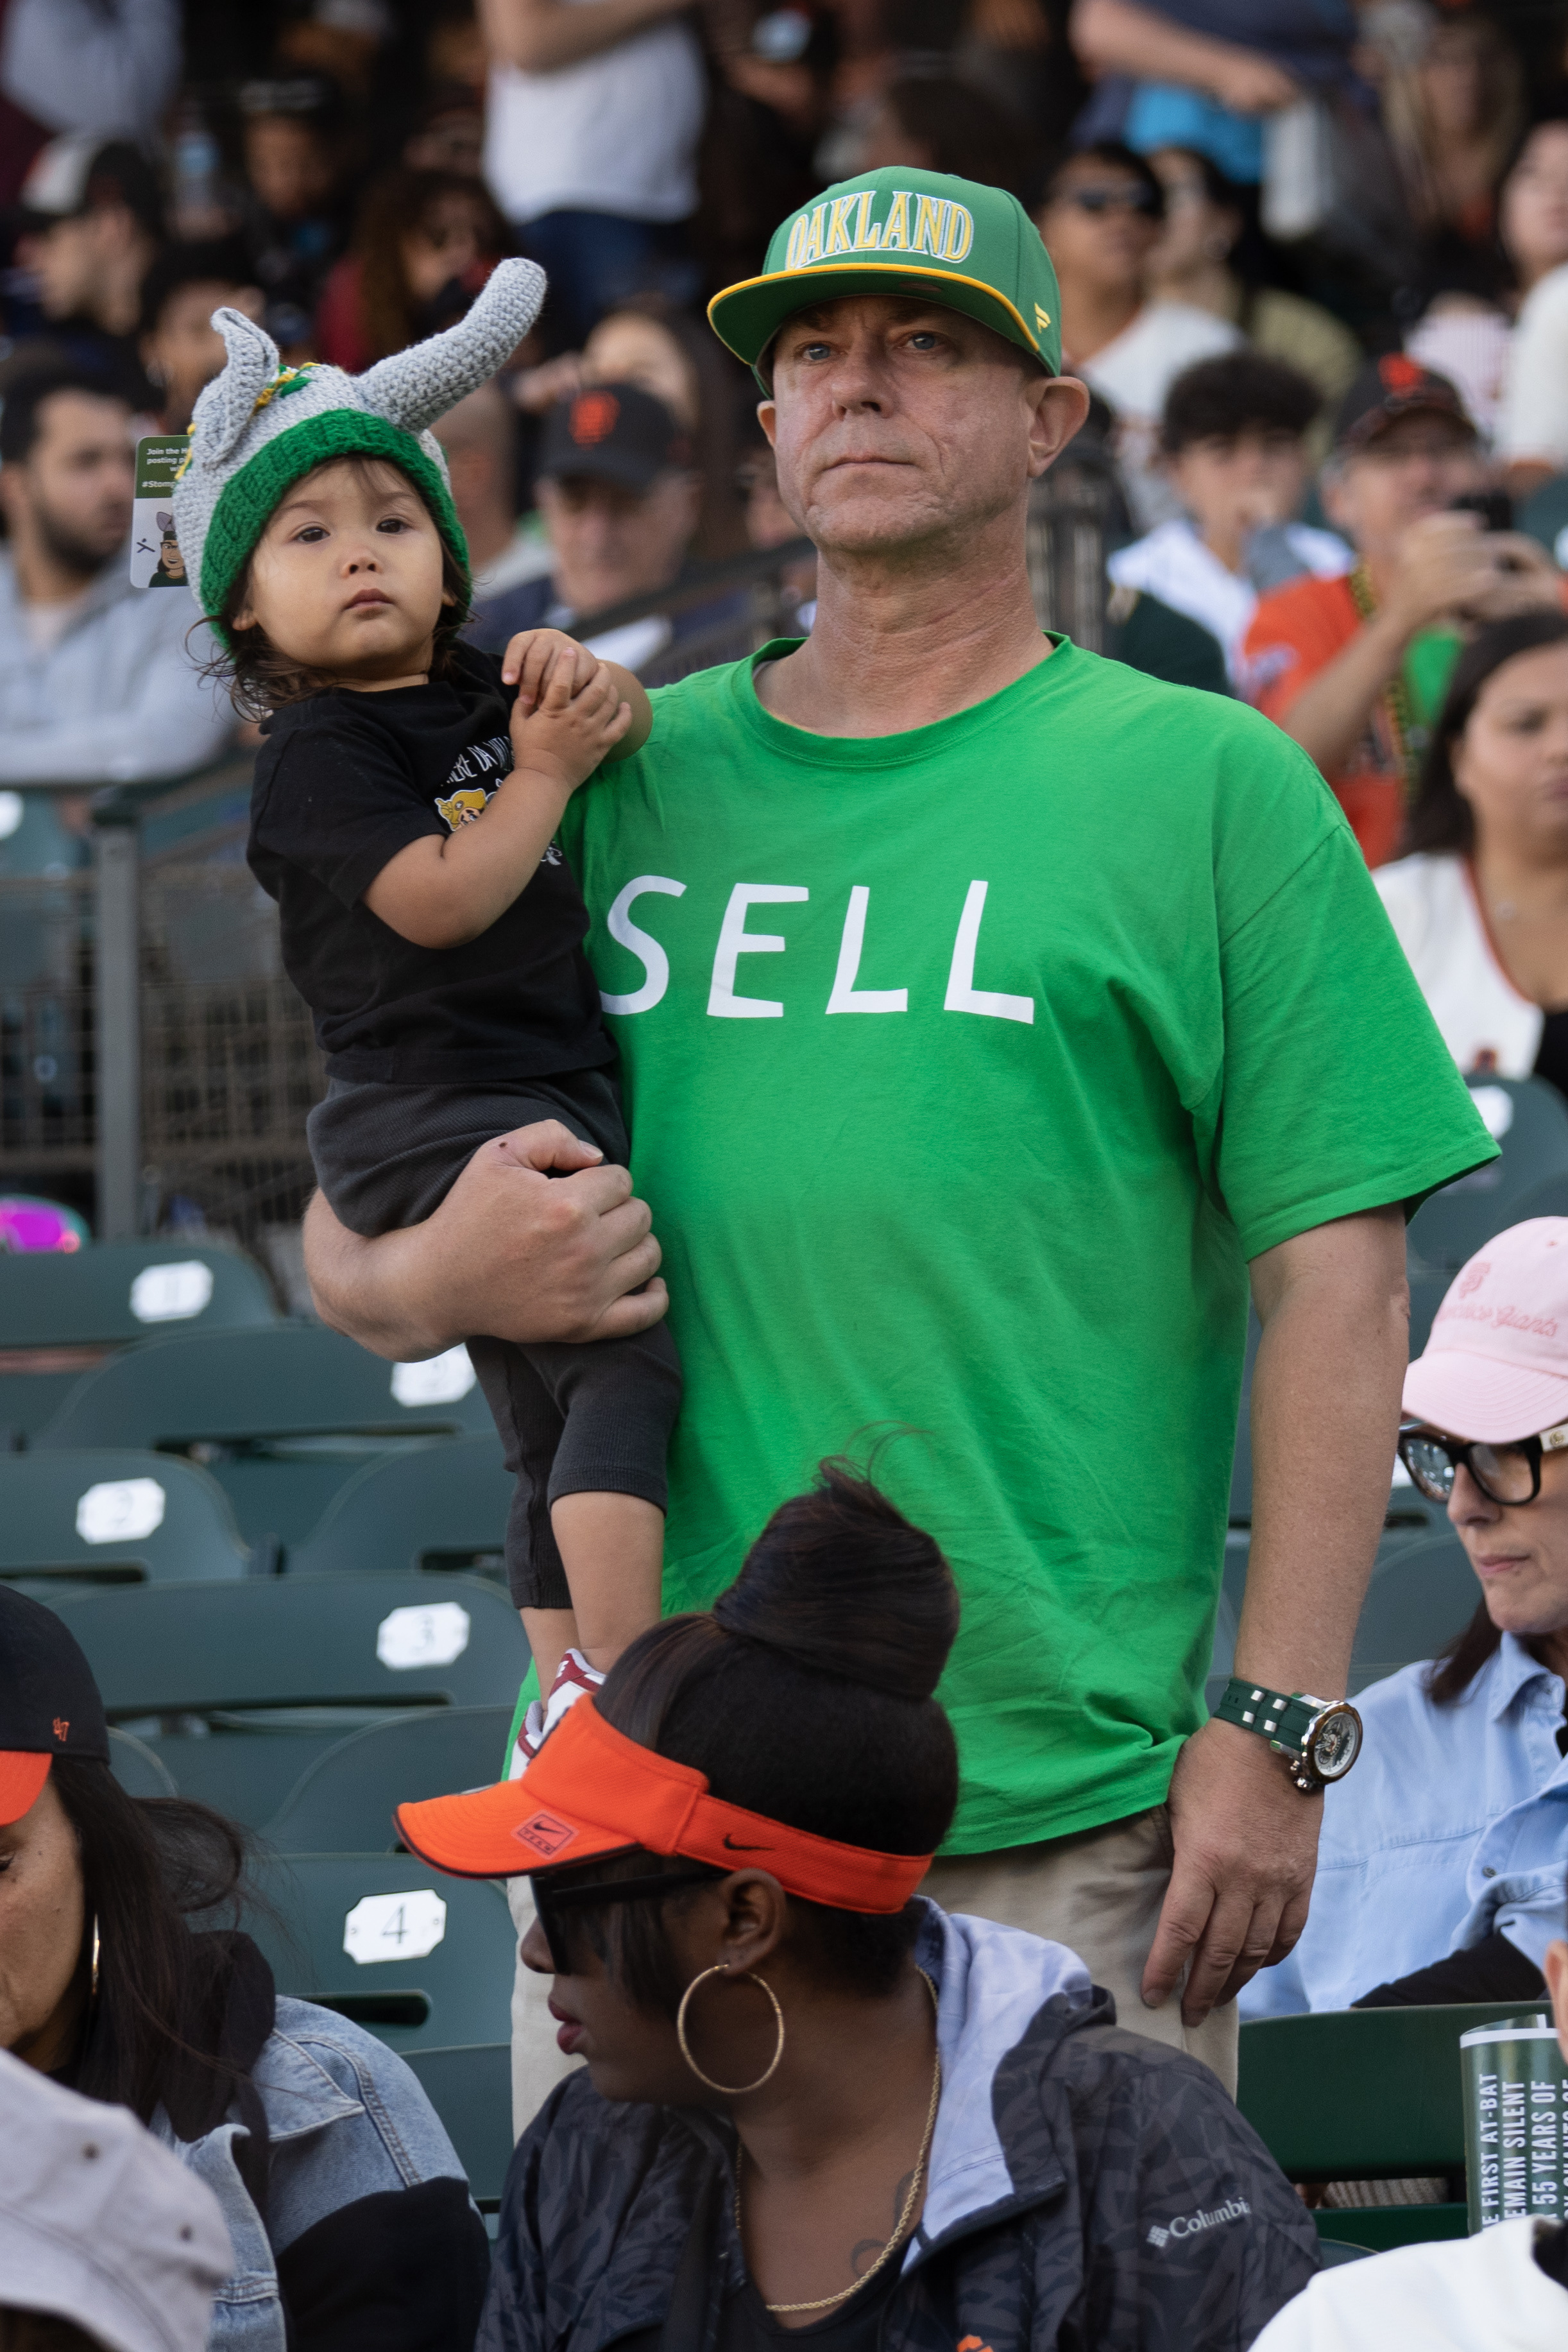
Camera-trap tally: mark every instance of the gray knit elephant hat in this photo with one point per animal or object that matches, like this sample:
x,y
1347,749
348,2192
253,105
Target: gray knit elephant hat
x,y
259,426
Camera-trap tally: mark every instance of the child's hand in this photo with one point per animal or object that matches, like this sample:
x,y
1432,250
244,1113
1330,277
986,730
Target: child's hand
x,y
532,652
573,727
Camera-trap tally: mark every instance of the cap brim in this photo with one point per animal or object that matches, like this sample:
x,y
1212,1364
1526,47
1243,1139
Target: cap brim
x,y
605,465
1374,422
747,316
502,1832
23,1773
1479,1397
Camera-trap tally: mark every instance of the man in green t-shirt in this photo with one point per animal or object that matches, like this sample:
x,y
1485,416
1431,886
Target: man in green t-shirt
x,y
990,1015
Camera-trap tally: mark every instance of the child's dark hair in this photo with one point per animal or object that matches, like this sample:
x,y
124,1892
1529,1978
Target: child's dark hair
x,y
261,679
1240,392
806,1696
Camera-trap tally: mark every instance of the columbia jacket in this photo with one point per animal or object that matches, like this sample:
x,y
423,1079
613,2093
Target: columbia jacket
x,y
1089,2190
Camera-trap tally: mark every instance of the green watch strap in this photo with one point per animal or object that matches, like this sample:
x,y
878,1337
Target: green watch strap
x,y
1283,1718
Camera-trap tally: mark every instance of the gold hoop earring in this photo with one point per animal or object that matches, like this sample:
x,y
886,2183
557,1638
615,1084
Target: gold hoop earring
x,y
93,1990
730,2090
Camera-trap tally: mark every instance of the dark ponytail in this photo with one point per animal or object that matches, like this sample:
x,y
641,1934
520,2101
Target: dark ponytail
x,y
807,1696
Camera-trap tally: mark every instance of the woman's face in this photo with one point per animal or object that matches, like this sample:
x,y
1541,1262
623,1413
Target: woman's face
x,y
1453,82
1511,761
635,2053
626,348
1197,231
42,1921
1519,1551
1534,211
444,246
1098,227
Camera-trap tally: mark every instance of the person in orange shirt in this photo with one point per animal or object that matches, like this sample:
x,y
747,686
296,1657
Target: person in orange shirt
x,y
1356,669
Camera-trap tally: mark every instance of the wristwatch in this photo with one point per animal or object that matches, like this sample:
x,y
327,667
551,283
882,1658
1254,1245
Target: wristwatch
x,y
1319,1738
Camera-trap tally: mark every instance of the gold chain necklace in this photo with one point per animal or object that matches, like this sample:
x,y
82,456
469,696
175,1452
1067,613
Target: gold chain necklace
x,y
900,2227
1408,740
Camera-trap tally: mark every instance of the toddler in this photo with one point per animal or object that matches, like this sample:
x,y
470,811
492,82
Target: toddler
x,y
404,815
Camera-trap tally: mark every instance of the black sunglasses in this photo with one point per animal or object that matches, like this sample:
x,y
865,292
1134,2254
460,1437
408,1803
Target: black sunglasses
x,y
1506,1473
1111,200
550,1901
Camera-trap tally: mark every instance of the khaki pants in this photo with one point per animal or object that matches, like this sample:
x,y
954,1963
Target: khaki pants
x,y
1098,1892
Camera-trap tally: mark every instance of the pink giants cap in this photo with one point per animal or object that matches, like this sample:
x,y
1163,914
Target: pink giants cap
x,y
1496,1366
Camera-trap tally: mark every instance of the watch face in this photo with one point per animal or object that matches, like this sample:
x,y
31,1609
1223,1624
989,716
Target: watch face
x,y
1334,1742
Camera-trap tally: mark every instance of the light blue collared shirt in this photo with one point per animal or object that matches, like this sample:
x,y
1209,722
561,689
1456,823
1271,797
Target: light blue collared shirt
x,y
1454,1822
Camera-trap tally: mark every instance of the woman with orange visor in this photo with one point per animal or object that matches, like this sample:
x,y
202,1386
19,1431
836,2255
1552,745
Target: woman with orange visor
x,y
813,2106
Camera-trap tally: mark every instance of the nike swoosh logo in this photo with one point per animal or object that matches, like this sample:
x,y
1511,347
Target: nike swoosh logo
x,y
731,1847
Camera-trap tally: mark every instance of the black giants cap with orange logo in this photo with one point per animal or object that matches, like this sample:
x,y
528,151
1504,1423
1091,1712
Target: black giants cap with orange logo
x,y
49,1704
612,432
1389,388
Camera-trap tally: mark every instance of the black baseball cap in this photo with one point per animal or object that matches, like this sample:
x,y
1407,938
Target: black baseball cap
x,y
49,1703
83,172
612,432
1390,388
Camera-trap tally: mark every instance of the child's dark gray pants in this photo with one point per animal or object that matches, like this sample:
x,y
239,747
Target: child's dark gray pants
x,y
589,1418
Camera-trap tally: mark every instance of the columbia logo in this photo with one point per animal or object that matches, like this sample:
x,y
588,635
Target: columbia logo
x,y
1192,2225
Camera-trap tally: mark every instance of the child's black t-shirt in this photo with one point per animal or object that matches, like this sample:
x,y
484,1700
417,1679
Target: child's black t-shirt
x,y
343,781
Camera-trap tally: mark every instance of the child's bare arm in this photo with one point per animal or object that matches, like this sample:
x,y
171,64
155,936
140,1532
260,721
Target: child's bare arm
x,y
528,656
441,893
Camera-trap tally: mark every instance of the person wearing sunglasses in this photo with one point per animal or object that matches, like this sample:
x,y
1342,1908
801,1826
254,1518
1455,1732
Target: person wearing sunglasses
x,y
1440,1870
1101,219
813,2104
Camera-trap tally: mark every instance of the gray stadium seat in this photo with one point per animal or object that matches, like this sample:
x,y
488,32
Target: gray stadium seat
x,y
102,1517
1530,1121
283,1418
239,1688
137,1770
471,2090
61,1313
343,1803
1422,1594
411,1955
441,1506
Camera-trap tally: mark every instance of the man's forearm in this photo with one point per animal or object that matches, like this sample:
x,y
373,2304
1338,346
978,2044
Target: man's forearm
x,y
1117,36
1325,1415
370,1289
1331,712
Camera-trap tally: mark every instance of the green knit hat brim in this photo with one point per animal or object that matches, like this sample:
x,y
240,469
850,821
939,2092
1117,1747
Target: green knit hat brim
x,y
251,496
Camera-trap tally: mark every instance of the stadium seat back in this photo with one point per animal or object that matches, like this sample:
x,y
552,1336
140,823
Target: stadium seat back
x,y
471,2090
116,1293
1422,1594
139,1772
240,1688
1529,1120
102,1517
412,1956
343,1803
442,1506
283,1418
1364,2095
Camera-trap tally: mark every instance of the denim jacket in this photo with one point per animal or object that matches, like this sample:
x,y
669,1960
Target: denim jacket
x,y
1454,1823
347,2119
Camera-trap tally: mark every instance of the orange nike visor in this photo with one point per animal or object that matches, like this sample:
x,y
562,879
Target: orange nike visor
x,y
590,1792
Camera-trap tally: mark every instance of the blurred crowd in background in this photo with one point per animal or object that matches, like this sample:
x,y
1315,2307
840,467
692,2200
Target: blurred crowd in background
x,y
1314,262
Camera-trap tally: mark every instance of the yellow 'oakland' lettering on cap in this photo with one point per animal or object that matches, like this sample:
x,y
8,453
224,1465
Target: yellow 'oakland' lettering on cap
x,y
839,212
931,225
843,225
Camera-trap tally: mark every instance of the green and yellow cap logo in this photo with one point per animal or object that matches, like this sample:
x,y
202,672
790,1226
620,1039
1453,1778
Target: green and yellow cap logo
x,y
899,231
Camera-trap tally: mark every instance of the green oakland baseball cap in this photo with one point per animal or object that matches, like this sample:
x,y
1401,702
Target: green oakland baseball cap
x,y
899,231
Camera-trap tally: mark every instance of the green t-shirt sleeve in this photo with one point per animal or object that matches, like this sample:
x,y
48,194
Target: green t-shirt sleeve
x,y
1338,1093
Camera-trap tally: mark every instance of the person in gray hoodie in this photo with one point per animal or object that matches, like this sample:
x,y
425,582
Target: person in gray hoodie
x,y
100,682
812,2096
